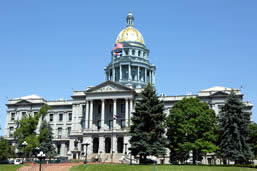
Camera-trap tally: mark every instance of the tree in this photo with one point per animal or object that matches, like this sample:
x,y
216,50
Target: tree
x,y
45,138
148,125
253,138
191,128
26,130
6,150
233,124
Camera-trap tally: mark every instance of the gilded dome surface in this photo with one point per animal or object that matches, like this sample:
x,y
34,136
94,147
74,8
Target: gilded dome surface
x,y
130,34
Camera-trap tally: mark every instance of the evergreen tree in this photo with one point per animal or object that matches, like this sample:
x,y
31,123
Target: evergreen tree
x,y
253,138
6,150
192,128
148,125
45,138
234,124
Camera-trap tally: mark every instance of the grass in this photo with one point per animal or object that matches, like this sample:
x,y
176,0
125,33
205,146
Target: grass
x,y
120,167
9,167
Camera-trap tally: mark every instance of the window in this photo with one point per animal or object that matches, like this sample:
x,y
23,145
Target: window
x,y
11,131
12,116
122,108
122,123
60,117
139,53
69,130
99,124
59,149
51,117
133,52
23,114
110,108
126,51
110,124
70,116
59,132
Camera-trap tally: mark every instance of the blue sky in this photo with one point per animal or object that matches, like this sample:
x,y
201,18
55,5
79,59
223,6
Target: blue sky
x,y
50,47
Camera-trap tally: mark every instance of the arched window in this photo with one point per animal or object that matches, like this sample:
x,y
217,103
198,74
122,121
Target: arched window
x,y
139,53
133,52
126,51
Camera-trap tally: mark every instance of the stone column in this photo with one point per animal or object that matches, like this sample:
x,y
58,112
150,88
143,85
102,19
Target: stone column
x,y
138,69
120,72
91,114
115,144
153,77
102,114
87,113
101,145
131,110
129,72
126,113
114,112
62,152
145,75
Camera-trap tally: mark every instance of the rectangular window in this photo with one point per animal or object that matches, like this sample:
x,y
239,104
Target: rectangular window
x,y
70,116
59,149
122,108
60,117
23,114
12,116
59,132
11,131
122,123
51,117
69,130
110,124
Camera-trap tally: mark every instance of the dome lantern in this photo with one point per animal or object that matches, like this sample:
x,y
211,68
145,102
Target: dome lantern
x,y
130,20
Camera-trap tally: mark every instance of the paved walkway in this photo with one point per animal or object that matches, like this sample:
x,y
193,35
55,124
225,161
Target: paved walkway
x,y
49,167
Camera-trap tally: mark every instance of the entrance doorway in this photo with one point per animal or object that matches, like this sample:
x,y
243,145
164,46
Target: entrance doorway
x,y
120,144
108,145
95,145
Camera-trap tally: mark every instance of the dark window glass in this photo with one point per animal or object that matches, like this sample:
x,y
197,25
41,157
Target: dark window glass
x,y
12,116
122,108
99,124
60,117
69,130
51,118
70,116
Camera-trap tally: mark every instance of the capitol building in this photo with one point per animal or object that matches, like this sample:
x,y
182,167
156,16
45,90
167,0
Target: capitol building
x,y
88,117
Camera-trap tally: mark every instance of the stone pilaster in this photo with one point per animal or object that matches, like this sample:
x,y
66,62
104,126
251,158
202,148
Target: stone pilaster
x,y
114,112
126,113
91,114
102,114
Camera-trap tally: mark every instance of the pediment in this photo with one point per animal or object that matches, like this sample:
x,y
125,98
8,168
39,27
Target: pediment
x,y
219,93
24,102
108,86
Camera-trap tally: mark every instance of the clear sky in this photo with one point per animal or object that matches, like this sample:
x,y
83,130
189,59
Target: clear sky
x,y
50,47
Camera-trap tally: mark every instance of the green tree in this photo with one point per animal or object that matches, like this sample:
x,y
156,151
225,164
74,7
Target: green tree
x,y
192,128
148,125
45,138
6,150
253,138
234,123
26,130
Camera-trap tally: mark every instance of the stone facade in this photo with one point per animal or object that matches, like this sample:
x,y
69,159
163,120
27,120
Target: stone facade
x,y
85,123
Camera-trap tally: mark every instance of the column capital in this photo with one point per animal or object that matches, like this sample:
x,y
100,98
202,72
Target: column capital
x,y
102,100
114,99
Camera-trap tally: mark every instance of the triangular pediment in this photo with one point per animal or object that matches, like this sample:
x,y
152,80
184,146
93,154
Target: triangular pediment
x,y
219,93
23,102
108,86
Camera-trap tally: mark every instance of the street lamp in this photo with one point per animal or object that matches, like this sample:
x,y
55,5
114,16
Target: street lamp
x,y
24,144
41,156
126,148
87,144
36,151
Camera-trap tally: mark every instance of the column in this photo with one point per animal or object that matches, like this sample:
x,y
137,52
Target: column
x,y
114,144
151,77
138,68
91,114
131,109
120,72
126,113
62,152
114,112
129,72
145,75
101,145
113,73
102,114
87,113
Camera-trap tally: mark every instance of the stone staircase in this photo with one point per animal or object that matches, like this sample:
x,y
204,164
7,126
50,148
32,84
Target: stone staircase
x,y
105,158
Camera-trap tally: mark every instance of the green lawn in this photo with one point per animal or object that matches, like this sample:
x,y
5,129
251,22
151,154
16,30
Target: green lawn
x,y
9,167
120,167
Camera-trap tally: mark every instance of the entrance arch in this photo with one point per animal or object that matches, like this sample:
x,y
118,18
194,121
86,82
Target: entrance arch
x,y
120,142
95,145
108,145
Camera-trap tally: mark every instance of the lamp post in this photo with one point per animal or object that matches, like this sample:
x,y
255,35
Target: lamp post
x,y
36,151
126,148
24,144
41,156
87,144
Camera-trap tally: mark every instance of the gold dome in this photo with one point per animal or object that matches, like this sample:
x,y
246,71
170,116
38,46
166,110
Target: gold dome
x,y
130,34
